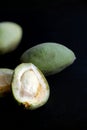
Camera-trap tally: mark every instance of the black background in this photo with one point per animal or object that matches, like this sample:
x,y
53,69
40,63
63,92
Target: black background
x,y
60,21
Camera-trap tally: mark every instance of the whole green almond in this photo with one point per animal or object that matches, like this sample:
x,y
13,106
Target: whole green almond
x,y
29,86
10,36
50,58
5,81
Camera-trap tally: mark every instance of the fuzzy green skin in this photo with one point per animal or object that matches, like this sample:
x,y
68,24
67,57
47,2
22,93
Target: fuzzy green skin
x,y
31,106
8,72
50,58
10,36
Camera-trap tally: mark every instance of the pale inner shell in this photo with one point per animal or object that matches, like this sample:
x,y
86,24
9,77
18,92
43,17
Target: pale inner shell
x,y
29,84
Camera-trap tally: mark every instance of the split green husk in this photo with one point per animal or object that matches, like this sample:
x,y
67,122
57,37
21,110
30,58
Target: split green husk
x,y
29,86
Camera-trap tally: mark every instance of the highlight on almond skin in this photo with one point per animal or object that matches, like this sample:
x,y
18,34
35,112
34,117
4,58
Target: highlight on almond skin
x,y
5,81
29,86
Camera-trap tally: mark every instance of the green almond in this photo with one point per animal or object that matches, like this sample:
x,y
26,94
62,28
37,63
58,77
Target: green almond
x,y
10,36
50,58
